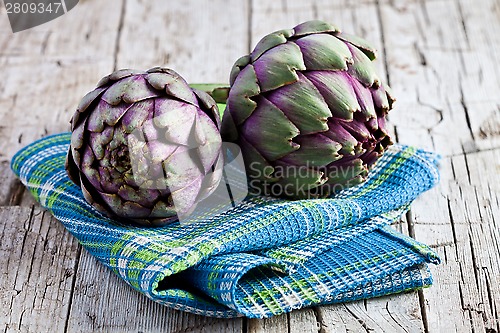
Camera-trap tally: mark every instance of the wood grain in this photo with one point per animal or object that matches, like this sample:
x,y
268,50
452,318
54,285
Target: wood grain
x,y
439,56
10,187
101,302
446,77
200,40
38,259
49,68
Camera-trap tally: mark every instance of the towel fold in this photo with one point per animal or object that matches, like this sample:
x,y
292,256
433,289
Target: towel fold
x,y
263,257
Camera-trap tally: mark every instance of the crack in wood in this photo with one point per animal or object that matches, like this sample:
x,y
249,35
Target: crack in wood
x,y
119,34
249,26
423,310
467,168
16,193
421,298
383,39
474,263
393,318
466,110
21,319
421,55
462,19
359,319
45,42
244,325
490,298
319,319
450,212
410,222
73,284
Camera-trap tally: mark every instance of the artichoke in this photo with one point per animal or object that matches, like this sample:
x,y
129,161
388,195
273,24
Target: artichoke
x,y
308,111
145,147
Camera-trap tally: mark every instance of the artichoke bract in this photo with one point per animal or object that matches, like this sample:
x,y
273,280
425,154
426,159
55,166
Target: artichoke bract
x,y
308,111
145,147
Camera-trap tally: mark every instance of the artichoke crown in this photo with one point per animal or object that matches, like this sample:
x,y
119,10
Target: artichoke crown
x,y
144,146
308,110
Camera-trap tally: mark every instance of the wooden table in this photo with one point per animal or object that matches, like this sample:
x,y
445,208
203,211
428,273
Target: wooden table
x,y
440,57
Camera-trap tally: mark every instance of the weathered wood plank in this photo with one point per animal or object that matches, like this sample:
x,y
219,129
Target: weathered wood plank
x,y
8,184
299,321
37,265
476,234
49,68
199,39
102,302
12,191
337,319
467,243
481,84
446,79
442,58
272,325
439,78
395,313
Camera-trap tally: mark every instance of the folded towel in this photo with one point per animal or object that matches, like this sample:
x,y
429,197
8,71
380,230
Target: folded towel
x,y
263,257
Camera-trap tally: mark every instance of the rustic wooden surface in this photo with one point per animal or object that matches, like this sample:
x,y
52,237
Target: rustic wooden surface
x,y
441,58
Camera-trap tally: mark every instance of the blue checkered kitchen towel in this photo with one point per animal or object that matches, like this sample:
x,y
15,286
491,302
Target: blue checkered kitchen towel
x,y
262,258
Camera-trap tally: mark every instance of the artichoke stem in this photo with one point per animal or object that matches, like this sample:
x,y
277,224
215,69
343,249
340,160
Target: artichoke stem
x,y
218,91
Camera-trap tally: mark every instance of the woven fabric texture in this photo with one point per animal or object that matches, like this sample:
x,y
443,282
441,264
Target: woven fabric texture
x,y
263,257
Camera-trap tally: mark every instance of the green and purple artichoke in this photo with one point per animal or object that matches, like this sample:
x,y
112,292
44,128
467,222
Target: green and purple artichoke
x,y
308,111
145,146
